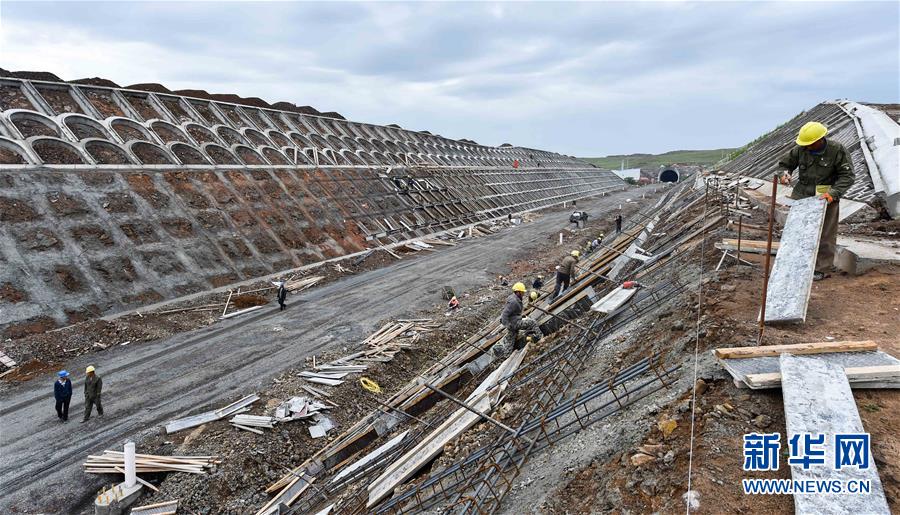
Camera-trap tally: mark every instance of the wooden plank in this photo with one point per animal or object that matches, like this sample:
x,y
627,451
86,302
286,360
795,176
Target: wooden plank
x,y
749,243
246,428
482,399
790,282
745,250
371,456
326,382
163,504
797,348
239,313
885,372
818,401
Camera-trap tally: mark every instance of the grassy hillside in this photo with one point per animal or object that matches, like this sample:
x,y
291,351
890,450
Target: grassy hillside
x,y
700,157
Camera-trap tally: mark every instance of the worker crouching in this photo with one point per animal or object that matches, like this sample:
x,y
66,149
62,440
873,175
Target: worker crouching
x,y
513,321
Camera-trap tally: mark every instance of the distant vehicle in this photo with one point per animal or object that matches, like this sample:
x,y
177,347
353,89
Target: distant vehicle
x,y
578,216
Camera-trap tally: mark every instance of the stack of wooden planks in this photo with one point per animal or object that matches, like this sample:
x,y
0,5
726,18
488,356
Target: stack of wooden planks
x,y
249,422
113,462
380,346
749,246
299,285
8,362
864,365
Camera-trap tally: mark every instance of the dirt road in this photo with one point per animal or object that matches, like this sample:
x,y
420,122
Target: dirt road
x,y
147,385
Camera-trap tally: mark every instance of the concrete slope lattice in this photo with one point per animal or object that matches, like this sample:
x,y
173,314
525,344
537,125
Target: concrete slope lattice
x,y
112,198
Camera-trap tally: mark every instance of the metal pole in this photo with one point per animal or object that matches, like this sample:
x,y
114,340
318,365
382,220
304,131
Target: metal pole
x,y
583,328
765,288
388,406
481,414
740,228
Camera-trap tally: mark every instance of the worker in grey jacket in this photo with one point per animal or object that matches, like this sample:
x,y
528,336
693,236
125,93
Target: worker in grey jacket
x,y
93,386
565,272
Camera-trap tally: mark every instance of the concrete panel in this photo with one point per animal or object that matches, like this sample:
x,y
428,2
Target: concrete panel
x,y
791,278
818,400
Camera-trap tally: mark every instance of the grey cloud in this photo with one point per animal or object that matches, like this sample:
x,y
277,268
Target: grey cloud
x,y
579,78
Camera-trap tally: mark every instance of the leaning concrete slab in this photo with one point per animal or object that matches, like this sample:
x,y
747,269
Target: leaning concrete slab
x,y
791,279
818,400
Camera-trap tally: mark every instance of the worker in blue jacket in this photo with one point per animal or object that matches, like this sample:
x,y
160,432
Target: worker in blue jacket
x,y
62,391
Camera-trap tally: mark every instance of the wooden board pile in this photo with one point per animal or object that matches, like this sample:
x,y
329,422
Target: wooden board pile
x,y
296,408
7,362
298,285
113,462
381,346
864,365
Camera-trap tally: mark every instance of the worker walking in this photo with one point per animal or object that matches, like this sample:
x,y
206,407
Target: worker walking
x,y
93,386
62,392
282,295
565,272
619,224
826,171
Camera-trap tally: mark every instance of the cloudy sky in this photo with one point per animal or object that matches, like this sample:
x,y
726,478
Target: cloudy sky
x,y
587,79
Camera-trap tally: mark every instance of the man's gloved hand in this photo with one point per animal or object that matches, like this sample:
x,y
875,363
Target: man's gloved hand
x,y
827,196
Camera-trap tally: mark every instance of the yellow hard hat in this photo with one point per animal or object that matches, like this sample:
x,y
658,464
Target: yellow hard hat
x,y
533,295
519,287
810,133
89,369
576,253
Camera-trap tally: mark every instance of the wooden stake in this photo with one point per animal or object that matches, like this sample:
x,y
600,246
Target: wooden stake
x,y
765,288
227,301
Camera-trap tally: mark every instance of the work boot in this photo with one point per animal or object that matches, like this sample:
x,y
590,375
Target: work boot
x,y
818,276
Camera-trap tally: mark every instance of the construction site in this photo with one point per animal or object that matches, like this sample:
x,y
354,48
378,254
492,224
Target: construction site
x,y
148,234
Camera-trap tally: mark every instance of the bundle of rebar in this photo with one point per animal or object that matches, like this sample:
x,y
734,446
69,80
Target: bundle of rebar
x,y
113,462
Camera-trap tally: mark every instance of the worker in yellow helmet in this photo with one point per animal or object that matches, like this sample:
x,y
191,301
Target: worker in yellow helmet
x,y
513,321
565,272
93,386
825,170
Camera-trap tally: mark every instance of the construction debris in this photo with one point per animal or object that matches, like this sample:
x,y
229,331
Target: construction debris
x,y
210,416
110,461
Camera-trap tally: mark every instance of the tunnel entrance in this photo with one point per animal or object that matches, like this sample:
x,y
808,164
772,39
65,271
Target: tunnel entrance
x,y
668,175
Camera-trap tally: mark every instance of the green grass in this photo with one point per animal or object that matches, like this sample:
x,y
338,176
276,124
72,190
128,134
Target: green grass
x,y
698,157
